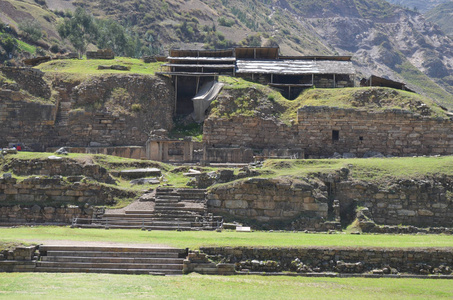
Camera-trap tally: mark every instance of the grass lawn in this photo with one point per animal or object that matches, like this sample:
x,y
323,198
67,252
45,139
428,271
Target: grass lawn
x,y
88,67
194,239
103,286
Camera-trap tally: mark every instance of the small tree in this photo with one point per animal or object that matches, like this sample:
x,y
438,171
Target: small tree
x,y
8,43
80,29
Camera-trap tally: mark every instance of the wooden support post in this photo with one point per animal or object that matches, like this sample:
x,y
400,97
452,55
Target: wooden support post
x,y
198,83
312,80
334,83
254,53
272,78
176,92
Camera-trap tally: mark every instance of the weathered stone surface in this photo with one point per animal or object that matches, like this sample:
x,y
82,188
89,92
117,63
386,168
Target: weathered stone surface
x,y
140,173
267,200
71,122
360,133
337,259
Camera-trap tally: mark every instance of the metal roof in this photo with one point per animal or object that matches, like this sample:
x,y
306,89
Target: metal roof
x,y
294,67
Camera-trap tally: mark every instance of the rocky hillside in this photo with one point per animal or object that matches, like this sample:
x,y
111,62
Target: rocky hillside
x,y
384,39
442,15
420,5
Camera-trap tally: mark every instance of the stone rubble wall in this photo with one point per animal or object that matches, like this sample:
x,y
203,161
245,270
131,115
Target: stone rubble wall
x,y
62,167
267,200
53,191
29,79
81,115
421,203
406,260
24,122
134,152
48,214
100,54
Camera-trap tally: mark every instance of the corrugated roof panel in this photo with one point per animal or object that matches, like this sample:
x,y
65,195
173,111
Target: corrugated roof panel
x,y
294,67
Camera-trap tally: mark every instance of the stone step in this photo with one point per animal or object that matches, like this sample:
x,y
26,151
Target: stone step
x,y
179,209
160,197
167,204
138,212
97,265
169,227
106,259
110,249
109,271
176,216
124,216
150,223
169,255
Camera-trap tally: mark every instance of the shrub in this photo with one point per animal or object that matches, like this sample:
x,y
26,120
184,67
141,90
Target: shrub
x,y
31,29
136,107
226,22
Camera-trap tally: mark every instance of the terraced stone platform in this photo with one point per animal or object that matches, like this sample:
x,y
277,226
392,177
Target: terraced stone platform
x,y
173,209
111,259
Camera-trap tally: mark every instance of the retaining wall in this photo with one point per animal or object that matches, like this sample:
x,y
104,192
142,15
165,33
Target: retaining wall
x,y
406,260
423,202
267,200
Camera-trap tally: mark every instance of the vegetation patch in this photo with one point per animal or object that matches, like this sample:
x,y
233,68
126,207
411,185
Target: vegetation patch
x,y
84,68
254,99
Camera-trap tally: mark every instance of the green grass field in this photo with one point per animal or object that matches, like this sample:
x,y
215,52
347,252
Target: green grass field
x,y
102,286
196,239
194,286
87,67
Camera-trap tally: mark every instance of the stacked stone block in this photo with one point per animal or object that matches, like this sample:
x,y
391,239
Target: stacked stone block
x,y
421,203
266,200
414,261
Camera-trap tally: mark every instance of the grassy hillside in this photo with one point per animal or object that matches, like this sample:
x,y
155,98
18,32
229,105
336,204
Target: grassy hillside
x,y
81,68
421,5
442,15
270,103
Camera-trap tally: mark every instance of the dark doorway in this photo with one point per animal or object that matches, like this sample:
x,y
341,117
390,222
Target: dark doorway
x,y
335,135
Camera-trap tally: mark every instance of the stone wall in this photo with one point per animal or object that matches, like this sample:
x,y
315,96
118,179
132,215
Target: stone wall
x,y
25,122
55,191
391,132
321,131
52,166
110,110
251,132
100,54
344,260
272,200
419,202
134,152
29,79
36,214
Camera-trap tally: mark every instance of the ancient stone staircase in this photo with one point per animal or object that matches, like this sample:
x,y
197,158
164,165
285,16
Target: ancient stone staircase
x,y
110,259
174,209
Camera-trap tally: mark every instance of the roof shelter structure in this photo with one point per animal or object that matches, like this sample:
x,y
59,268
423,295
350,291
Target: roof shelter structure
x,y
384,82
289,74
